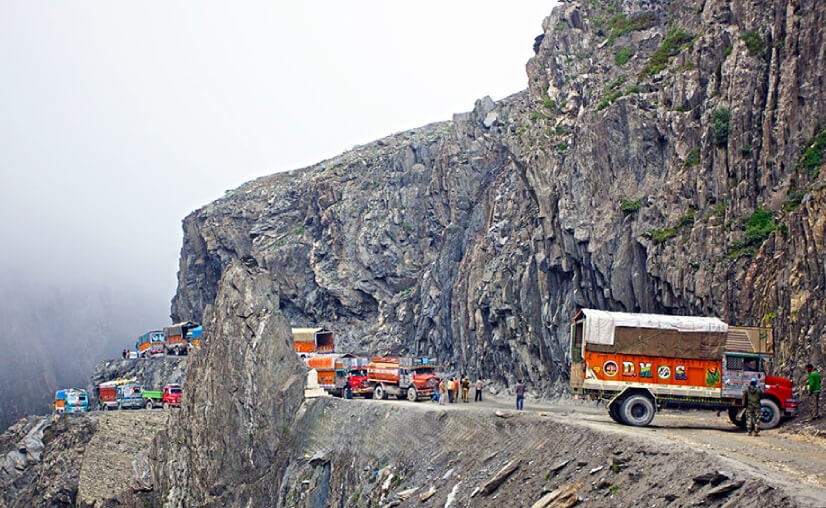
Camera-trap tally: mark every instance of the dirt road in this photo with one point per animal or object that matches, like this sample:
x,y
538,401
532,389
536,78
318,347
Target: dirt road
x,y
797,462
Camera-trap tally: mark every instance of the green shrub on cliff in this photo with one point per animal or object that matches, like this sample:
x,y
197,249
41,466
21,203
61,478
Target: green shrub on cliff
x,y
813,157
674,43
720,125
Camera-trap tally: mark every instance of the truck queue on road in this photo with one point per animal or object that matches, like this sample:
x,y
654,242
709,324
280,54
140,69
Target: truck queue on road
x,y
638,363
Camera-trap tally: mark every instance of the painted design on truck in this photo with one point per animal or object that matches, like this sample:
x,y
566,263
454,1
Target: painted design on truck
x,y
628,369
610,368
645,369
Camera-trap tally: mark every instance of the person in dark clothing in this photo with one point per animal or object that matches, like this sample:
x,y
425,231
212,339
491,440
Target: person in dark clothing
x,y
751,399
813,390
520,395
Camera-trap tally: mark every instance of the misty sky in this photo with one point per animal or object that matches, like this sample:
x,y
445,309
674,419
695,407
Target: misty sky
x,y
117,119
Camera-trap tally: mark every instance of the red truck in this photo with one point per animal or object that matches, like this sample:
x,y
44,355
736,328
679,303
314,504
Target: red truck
x,y
336,371
644,362
412,378
170,396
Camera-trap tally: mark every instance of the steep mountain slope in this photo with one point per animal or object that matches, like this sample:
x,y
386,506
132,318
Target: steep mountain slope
x,y
666,158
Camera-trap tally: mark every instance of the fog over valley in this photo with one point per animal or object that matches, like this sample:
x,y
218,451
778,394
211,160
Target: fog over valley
x,y
119,120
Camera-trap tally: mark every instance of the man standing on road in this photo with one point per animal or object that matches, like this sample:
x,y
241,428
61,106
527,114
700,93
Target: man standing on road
x,y
465,388
814,390
479,385
450,390
442,391
520,395
751,399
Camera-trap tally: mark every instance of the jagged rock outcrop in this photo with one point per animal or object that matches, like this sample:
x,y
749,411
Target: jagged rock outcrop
x,y
82,459
42,460
244,387
635,174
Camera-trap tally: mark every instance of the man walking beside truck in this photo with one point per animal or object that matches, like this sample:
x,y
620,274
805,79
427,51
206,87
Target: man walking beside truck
x,y
751,399
814,390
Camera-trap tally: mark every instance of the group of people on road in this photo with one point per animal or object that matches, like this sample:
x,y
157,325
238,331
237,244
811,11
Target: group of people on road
x,y
449,390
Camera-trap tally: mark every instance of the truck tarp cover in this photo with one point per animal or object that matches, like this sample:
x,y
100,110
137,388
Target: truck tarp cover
x,y
305,334
655,335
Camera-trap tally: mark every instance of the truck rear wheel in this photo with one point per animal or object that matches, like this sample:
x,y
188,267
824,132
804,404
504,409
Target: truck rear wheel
x,y
637,410
769,414
148,403
412,395
379,393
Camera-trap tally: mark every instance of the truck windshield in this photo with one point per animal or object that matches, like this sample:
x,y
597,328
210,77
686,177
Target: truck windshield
x,y
175,391
424,370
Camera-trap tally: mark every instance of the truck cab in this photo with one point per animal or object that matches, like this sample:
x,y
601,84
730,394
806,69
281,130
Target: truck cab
x,y
357,379
172,396
778,402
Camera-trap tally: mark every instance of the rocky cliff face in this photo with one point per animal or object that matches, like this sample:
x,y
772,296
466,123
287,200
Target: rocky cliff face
x,y
666,158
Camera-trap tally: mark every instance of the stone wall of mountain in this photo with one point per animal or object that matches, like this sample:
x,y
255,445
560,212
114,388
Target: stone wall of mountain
x,y
666,157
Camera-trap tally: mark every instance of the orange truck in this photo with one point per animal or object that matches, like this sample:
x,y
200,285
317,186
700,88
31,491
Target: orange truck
x,y
335,372
310,341
408,377
645,362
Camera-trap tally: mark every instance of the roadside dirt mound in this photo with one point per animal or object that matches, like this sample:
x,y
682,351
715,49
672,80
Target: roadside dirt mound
x,y
115,464
370,453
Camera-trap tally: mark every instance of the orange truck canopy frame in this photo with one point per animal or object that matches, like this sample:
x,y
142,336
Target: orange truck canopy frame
x,y
313,340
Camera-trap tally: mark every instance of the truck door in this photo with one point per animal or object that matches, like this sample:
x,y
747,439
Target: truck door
x,y
405,379
738,369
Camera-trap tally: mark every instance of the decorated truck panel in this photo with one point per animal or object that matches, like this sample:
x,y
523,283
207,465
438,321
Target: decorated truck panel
x,y
645,361
309,341
412,378
151,344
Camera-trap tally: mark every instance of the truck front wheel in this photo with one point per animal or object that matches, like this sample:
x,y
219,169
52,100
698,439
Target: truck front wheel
x,y
637,410
733,415
378,392
412,396
769,414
